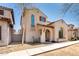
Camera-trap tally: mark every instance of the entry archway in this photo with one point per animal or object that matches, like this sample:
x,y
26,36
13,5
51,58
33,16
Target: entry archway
x,y
47,35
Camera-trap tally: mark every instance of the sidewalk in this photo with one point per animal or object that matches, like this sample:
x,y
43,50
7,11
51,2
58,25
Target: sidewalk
x,y
34,51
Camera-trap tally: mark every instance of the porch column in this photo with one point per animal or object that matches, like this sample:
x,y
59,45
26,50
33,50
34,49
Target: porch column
x,y
43,36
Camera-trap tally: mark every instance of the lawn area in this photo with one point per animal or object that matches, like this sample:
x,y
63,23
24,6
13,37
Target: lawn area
x,y
72,50
17,47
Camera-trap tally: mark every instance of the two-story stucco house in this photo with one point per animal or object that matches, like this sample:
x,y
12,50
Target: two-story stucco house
x,y
6,25
35,27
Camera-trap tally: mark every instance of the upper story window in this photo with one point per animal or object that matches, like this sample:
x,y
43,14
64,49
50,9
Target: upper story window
x,y
32,20
1,12
43,19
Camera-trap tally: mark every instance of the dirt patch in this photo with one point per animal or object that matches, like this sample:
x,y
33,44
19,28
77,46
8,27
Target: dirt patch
x,y
17,47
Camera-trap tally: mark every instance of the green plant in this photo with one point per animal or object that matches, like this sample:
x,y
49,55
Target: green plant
x,y
73,39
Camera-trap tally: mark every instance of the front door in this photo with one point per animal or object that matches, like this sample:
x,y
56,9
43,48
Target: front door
x,y
47,35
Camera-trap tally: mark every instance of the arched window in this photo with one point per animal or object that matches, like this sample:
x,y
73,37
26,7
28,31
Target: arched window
x,y
32,20
61,33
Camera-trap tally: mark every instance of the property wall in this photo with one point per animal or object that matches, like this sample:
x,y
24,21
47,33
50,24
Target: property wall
x,y
16,37
69,35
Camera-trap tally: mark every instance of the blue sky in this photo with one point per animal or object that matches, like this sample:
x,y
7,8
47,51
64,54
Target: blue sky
x,y
53,11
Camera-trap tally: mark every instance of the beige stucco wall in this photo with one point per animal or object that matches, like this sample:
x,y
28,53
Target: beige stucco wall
x,y
70,35
7,14
5,33
57,25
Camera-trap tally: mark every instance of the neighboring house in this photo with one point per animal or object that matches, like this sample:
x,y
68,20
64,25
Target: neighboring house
x,y
36,28
73,32
78,32
6,25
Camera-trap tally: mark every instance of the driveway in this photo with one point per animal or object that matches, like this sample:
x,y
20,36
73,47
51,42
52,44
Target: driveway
x,y
72,50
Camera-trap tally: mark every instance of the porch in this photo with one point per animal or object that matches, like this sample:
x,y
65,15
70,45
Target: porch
x,y
46,33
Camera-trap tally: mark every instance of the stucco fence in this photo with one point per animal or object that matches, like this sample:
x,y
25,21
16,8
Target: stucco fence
x,y
16,37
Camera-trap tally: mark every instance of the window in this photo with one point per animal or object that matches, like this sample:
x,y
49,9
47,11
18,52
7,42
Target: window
x,y
1,12
32,21
42,19
61,33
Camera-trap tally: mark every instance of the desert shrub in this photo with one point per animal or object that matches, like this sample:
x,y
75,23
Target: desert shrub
x,y
53,41
78,38
73,39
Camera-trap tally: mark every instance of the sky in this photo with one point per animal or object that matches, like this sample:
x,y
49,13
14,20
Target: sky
x,y
52,10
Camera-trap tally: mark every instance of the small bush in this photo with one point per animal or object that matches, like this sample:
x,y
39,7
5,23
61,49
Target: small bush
x,y
53,41
78,38
75,38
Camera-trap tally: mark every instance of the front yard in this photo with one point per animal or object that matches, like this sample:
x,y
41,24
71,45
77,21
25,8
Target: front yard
x,y
17,47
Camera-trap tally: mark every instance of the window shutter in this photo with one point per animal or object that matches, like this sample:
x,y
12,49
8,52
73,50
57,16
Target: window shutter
x,y
40,18
44,19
